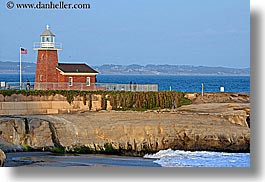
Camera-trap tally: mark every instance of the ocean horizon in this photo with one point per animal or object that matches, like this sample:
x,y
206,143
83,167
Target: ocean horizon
x,y
183,83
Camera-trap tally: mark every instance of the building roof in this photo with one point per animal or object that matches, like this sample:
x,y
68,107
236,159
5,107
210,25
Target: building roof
x,y
75,68
47,32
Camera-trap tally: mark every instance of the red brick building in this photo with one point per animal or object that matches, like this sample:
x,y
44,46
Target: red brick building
x,y
77,76
51,75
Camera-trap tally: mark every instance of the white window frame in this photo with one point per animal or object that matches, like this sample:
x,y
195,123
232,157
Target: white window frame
x,y
88,81
70,81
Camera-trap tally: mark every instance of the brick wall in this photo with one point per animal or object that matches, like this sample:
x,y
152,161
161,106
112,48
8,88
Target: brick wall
x,y
46,66
79,82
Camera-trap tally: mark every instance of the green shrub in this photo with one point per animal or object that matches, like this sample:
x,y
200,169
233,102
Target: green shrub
x,y
185,101
118,99
82,150
27,148
109,149
60,150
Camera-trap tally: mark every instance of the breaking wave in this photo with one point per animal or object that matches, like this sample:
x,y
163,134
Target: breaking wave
x,y
181,158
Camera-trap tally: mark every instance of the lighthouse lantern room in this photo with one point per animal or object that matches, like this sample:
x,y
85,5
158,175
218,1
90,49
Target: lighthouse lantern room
x,y
47,41
47,38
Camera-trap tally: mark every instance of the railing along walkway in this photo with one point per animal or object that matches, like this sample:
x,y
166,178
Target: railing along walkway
x,y
78,86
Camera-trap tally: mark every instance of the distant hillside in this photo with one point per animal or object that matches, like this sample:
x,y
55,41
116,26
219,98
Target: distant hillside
x,y
170,70
13,67
150,69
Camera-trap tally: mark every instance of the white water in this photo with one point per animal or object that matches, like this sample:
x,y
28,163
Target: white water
x,y
180,158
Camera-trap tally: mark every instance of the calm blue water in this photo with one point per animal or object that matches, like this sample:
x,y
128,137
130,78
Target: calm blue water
x,y
179,83
184,83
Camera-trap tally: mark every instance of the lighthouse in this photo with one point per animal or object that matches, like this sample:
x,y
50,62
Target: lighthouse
x,y
52,75
47,60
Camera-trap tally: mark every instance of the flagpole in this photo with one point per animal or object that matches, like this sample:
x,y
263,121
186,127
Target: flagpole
x,y
20,69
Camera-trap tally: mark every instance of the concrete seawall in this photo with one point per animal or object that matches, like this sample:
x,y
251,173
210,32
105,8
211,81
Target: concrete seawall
x,y
18,104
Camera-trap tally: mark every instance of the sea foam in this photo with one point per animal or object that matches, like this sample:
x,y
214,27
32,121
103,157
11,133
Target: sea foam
x,y
181,158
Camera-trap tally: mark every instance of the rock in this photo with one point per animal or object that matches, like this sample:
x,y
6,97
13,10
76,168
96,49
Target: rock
x,y
195,127
218,97
235,113
191,96
9,147
12,130
2,158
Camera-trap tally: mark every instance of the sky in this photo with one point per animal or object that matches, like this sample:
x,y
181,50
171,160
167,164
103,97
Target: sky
x,y
175,32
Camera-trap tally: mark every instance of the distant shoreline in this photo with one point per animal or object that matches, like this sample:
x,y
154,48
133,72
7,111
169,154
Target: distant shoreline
x,y
150,74
135,69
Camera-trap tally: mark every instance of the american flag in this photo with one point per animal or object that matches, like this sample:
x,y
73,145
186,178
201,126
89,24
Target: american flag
x,y
24,51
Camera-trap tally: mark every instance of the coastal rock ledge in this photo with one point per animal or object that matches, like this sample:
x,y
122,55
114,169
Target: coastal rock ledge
x,y
134,133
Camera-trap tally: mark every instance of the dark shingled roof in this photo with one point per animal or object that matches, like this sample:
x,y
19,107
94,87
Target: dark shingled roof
x,y
75,68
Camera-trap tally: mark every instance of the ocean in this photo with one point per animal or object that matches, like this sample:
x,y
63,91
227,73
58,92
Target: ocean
x,y
165,82
178,158
164,158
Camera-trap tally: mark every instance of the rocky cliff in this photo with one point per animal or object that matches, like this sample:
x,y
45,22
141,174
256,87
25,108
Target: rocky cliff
x,y
213,127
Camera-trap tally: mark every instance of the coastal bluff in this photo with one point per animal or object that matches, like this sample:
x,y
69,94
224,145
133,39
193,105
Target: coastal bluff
x,y
206,125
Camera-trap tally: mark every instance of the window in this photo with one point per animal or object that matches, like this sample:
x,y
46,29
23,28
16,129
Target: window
x,y
87,81
70,80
